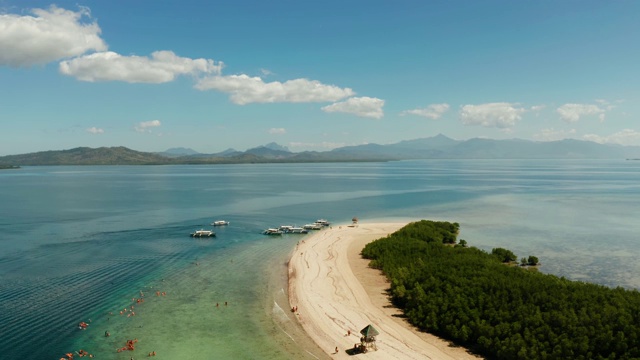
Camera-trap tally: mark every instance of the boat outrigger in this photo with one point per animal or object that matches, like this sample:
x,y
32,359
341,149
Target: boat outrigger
x,y
203,233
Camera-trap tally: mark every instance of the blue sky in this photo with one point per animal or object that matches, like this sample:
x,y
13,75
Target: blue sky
x,y
314,75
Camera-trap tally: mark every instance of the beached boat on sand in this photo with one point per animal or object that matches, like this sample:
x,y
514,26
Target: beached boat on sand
x,y
203,233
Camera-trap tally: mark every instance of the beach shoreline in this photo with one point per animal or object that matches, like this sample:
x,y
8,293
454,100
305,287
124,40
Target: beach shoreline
x,y
336,295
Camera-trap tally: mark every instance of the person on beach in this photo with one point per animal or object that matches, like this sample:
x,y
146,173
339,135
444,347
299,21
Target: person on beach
x,y
336,350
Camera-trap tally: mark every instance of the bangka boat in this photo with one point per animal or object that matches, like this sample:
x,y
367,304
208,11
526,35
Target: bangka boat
x,y
220,223
314,226
272,232
203,233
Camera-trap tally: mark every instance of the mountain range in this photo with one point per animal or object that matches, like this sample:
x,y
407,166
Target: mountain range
x,y
436,147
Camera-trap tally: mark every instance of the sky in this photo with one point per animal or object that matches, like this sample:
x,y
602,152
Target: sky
x,y
314,75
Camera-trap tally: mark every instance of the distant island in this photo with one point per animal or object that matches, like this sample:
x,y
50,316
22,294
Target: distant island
x,y
436,147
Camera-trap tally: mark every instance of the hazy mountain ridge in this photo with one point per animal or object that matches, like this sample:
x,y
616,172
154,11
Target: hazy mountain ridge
x,y
437,147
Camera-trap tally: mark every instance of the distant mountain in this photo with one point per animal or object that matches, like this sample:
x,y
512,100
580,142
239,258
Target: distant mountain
x,y
437,147
87,156
270,151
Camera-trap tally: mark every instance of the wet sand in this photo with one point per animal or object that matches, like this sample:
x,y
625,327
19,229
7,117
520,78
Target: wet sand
x,y
336,293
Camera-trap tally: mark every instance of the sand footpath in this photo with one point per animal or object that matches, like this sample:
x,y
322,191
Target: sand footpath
x,y
336,293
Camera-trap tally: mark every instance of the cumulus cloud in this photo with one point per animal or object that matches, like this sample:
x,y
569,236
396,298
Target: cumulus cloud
x,y
161,67
244,90
360,106
433,111
624,137
95,130
146,126
500,115
571,113
551,134
277,131
50,34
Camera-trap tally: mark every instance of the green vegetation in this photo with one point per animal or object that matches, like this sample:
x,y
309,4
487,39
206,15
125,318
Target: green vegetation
x,y
469,296
4,167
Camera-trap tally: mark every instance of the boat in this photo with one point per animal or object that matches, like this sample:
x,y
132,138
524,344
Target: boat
x,y
220,223
288,229
314,226
203,233
323,222
271,231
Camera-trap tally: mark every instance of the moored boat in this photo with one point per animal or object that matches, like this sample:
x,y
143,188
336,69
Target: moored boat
x,y
203,233
314,226
271,231
220,223
323,222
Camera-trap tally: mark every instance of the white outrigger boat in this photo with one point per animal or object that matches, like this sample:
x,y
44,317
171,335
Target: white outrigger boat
x,y
203,233
220,223
289,229
314,226
271,231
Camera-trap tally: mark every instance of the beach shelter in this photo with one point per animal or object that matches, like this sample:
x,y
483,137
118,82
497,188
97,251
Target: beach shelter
x,y
355,220
369,336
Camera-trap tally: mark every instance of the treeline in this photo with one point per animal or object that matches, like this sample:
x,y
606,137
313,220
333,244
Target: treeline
x,y
472,298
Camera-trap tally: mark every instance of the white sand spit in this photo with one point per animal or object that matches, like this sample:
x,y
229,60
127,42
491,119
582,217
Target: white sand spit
x,y
336,293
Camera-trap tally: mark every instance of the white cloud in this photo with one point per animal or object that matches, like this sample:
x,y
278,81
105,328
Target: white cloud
x,y
551,134
360,106
433,111
145,126
500,115
277,131
571,113
95,130
245,90
162,66
51,34
624,137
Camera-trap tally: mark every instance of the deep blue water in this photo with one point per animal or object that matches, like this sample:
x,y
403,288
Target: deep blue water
x,y
77,243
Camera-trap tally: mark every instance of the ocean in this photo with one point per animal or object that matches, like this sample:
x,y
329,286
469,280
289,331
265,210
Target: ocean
x,y
98,244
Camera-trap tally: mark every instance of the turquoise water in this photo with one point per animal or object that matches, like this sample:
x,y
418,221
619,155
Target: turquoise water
x,y
79,243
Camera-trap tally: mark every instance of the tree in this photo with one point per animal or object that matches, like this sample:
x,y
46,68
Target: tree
x,y
504,255
523,261
463,242
532,260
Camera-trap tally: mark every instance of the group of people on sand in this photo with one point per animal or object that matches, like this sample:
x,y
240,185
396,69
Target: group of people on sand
x,y
294,309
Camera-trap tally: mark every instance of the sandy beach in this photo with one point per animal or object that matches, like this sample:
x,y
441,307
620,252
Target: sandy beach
x,y
337,295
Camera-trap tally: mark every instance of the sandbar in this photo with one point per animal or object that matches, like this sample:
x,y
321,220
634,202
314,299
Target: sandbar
x,y
337,295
